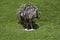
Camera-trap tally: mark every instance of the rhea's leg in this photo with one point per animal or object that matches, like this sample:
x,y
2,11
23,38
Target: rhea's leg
x,y
30,21
31,25
27,26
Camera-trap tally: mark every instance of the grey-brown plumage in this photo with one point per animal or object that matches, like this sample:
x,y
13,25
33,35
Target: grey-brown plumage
x,y
26,13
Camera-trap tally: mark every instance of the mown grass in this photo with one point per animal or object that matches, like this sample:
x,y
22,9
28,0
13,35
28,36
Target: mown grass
x,y
49,22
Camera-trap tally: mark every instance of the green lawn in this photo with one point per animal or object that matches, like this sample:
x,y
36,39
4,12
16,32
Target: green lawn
x,y
49,22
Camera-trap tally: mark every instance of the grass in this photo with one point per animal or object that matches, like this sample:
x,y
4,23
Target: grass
x,y
49,22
